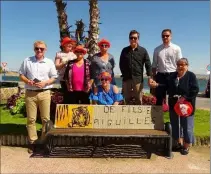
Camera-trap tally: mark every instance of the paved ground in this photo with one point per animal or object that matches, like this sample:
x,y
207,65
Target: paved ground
x,y
17,160
203,103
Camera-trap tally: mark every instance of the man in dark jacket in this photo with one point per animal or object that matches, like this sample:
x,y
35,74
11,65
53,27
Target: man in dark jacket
x,y
132,61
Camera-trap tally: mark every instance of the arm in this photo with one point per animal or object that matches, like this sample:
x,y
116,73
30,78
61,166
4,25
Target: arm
x,y
121,62
116,91
193,88
179,53
22,75
58,62
148,68
93,96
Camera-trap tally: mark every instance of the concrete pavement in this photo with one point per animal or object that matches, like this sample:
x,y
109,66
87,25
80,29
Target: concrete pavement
x,y
17,160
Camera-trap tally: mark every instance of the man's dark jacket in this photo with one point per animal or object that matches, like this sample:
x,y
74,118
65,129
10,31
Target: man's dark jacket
x,y
132,63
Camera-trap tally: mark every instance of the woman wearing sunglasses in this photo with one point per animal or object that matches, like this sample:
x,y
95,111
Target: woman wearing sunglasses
x,y
106,93
102,61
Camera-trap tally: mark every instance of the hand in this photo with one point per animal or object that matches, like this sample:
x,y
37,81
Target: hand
x,y
40,84
64,61
181,100
30,82
150,80
152,83
116,103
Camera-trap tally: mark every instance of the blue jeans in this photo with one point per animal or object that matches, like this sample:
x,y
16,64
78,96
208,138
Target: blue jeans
x,y
186,127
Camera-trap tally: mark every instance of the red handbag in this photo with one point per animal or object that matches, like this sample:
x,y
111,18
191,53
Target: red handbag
x,y
165,106
183,109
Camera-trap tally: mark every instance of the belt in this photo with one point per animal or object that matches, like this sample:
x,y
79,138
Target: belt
x,y
165,73
37,90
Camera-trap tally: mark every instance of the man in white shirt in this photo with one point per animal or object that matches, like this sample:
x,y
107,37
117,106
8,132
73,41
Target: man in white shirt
x,y
38,73
164,63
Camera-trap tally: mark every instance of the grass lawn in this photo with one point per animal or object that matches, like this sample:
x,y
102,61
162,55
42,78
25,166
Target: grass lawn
x,y
13,124
201,122
16,124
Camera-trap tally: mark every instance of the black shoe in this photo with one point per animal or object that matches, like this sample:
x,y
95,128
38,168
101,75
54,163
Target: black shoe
x,y
31,148
184,151
177,148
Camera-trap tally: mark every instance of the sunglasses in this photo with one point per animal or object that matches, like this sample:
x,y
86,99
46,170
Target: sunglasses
x,y
79,52
133,38
104,79
163,36
41,49
184,64
104,46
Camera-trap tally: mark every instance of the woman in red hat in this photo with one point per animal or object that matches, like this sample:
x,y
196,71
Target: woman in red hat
x,y
102,61
61,59
77,78
182,83
106,93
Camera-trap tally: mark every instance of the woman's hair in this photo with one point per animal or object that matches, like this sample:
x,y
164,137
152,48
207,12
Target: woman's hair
x,y
184,60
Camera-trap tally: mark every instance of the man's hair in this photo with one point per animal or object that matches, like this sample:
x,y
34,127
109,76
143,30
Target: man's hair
x,y
39,42
134,32
184,60
169,30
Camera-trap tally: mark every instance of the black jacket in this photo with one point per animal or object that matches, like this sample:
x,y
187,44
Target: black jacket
x,y
132,63
187,88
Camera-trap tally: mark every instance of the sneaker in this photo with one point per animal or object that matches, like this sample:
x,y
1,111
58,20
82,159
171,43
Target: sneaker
x,y
177,148
31,148
184,151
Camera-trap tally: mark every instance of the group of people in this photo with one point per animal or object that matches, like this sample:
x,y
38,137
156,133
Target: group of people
x,y
84,80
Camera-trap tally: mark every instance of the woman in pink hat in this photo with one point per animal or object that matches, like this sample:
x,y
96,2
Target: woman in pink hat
x,y
61,59
77,78
102,61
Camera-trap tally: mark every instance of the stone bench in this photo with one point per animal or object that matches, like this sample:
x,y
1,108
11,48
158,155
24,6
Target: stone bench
x,y
130,128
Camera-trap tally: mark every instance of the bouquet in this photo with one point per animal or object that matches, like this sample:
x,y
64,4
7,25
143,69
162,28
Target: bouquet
x,y
148,99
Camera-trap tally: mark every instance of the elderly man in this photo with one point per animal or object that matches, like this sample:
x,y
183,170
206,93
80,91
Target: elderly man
x,y
38,73
132,61
164,63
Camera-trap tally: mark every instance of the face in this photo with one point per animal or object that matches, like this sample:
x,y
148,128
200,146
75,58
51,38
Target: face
x,y
105,81
39,50
104,47
166,37
182,66
79,54
133,39
67,47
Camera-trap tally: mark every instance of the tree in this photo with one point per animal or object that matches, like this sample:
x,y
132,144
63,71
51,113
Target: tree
x,y
62,19
94,31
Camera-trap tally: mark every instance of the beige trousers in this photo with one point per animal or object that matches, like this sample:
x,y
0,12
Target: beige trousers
x,y
35,100
136,93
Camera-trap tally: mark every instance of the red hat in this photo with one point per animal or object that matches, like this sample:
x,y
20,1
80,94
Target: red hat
x,y
183,109
104,41
104,75
66,40
80,48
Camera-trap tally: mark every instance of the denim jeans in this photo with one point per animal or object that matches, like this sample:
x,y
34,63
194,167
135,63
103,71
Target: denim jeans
x,y
186,127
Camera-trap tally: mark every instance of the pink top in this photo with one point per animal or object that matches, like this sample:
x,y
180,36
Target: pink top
x,y
78,77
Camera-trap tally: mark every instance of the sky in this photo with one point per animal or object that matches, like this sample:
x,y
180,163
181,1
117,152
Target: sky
x,y
24,22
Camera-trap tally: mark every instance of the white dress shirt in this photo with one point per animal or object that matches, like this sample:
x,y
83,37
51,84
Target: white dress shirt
x,y
42,70
165,58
